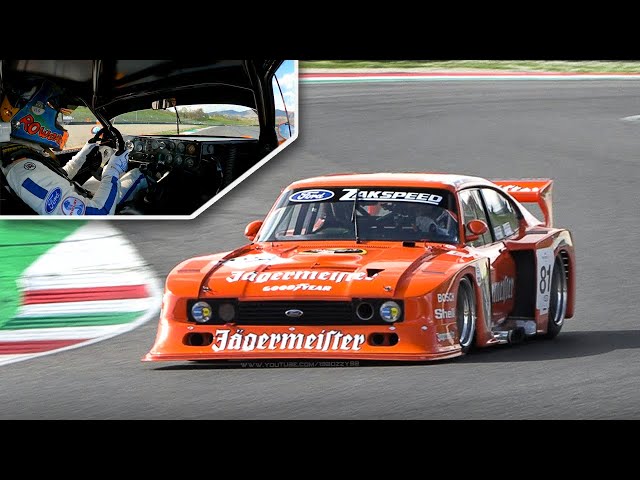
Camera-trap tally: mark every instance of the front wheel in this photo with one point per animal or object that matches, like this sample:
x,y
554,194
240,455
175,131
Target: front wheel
x,y
466,315
557,299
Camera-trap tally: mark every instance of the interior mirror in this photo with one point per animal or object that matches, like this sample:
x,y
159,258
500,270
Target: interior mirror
x,y
163,104
251,230
475,228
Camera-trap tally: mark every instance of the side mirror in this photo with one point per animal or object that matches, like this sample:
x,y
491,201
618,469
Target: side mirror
x,y
251,230
474,229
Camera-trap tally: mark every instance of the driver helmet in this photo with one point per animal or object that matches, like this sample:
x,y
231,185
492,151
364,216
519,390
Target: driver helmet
x,y
426,217
34,115
425,224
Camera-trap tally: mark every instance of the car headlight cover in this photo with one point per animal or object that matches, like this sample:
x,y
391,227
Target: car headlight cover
x,y
390,311
227,312
201,312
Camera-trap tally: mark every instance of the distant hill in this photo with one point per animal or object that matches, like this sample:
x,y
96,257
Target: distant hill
x,y
235,113
247,113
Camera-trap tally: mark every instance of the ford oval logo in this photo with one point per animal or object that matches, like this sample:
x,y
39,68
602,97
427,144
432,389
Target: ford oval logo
x,y
311,195
294,313
52,200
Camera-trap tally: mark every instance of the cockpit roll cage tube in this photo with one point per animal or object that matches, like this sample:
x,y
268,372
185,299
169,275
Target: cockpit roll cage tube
x,y
268,139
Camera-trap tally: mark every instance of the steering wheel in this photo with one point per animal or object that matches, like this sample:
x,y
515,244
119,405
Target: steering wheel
x,y
108,140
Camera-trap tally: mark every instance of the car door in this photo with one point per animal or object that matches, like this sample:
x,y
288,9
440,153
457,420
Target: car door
x,y
503,224
483,205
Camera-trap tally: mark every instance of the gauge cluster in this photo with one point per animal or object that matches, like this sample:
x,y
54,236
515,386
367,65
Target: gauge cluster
x,y
168,152
192,159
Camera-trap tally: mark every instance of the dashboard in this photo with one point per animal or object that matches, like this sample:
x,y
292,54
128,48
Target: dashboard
x,y
189,154
192,168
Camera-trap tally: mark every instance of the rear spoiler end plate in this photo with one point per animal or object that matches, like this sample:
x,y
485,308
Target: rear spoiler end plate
x,y
535,190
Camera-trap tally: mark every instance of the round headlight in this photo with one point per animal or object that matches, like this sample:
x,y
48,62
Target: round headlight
x,y
365,311
390,312
227,312
201,312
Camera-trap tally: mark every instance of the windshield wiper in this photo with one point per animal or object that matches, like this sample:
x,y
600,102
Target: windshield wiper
x,y
354,217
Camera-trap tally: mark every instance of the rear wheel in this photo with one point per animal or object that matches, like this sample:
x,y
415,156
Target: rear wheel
x,y
557,299
466,315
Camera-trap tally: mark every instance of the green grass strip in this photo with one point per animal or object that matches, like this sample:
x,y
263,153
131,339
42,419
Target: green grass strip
x,y
21,243
75,320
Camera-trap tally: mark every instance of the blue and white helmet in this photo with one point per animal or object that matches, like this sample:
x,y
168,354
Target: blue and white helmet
x,y
37,121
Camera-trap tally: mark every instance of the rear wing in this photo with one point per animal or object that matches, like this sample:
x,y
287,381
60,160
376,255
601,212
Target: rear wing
x,y
532,191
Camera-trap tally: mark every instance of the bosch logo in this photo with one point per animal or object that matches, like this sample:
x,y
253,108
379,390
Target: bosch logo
x,y
311,195
294,313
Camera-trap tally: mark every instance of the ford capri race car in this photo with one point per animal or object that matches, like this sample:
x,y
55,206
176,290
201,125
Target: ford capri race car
x,y
386,266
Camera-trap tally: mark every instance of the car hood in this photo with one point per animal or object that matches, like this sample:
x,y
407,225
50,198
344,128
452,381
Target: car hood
x,y
112,87
320,271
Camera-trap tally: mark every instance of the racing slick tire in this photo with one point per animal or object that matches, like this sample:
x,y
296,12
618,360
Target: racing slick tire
x,y
466,315
557,299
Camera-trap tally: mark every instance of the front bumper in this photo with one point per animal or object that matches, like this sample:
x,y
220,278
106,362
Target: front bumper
x,y
409,340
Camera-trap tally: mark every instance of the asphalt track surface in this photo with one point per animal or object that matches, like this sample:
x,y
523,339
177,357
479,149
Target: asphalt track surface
x,y
231,131
568,130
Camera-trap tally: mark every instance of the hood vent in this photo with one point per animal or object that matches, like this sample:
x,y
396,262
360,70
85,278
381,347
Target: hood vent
x,y
371,272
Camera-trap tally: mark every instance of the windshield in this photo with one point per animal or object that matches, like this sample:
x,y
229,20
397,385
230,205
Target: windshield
x,y
209,120
206,119
381,213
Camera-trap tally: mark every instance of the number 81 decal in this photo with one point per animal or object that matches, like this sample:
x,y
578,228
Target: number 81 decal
x,y
544,269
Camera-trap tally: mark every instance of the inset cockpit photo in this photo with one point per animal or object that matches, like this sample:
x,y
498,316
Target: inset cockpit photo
x,y
137,138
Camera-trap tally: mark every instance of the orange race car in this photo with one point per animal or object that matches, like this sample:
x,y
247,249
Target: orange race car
x,y
387,266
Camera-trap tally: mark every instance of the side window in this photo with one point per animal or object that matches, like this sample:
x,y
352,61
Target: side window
x,y
285,87
472,209
504,221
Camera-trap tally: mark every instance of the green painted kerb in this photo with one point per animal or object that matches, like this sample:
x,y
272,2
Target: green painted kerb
x,y
21,243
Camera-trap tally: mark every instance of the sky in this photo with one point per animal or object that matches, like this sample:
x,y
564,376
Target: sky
x,y
288,78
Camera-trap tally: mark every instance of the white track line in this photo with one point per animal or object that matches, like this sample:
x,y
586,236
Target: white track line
x,y
98,306
439,78
95,255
